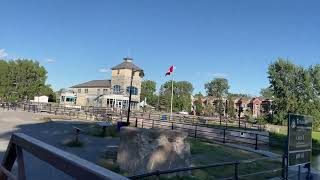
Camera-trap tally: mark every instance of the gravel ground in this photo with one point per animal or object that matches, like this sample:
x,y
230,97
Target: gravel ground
x,y
52,133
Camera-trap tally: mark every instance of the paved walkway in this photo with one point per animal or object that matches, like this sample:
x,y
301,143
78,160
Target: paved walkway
x,y
52,133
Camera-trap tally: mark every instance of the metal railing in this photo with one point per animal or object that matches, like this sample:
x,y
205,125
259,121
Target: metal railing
x,y
202,131
70,164
234,164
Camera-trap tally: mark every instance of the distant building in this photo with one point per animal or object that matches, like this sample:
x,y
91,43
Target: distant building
x,y
67,97
40,99
255,107
112,93
241,102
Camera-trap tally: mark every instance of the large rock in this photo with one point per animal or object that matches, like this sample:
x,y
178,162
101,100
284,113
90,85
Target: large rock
x,y
147,150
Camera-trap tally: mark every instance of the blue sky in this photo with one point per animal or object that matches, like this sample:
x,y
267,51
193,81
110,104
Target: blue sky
x,y
204,39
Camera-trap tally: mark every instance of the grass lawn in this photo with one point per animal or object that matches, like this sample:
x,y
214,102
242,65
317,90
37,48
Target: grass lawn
x,y
206,153
278,140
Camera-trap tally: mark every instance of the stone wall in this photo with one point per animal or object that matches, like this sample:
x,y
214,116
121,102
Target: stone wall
x,y
148,150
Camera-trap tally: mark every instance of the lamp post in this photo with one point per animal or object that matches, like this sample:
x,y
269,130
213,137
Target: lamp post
x,y
130,96
130,92
240,111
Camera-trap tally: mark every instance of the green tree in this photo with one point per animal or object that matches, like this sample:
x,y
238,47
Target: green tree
x,y
266,93
22,79
218,88
230,106
182,91
198,95
148,90
294,89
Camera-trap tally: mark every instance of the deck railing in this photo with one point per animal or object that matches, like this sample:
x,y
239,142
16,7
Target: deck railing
x,y
70,164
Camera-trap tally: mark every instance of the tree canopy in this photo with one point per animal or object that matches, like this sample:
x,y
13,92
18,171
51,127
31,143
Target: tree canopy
x,y
22,79
182,91
148,90
218,88
266,93
295,90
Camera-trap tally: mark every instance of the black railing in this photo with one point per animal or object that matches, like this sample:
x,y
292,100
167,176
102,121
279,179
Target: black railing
x,y
201,131
235,164
70,164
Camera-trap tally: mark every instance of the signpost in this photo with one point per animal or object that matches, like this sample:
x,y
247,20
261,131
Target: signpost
x,y
299,140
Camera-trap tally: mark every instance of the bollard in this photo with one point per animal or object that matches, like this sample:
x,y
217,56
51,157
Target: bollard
x,y
195,131
256,145
136,122
152,123
236,176
171,125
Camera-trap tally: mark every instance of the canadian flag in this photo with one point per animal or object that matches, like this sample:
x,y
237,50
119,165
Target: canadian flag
x,y
170,70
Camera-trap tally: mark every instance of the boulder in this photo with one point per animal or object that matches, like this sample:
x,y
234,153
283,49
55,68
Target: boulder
x,y
147,150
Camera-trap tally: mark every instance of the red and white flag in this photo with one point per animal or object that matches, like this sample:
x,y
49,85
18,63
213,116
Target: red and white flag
x,y
170,70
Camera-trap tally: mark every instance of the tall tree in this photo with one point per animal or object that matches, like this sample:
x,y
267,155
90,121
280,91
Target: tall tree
x,y
218,88
266,93
294,89
230,106
182,91
22,79
148,90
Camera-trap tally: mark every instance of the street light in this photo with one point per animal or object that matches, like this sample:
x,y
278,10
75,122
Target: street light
x,y
141,74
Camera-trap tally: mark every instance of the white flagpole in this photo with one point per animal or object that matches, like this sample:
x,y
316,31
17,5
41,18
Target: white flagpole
x,y
171,118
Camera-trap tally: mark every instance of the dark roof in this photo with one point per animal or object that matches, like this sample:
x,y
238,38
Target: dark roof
x,y
127,64
94,83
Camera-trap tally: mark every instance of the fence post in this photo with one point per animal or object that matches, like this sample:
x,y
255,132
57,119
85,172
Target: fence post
x,y
236,176
136,122
256,146
158,175
283,173
224,135
171,125
142,123
195,131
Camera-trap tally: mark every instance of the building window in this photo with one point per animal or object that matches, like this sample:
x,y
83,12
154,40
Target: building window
x,y
110,103
116,89
98,91
105,91
118,71
134,90
79,90
85,90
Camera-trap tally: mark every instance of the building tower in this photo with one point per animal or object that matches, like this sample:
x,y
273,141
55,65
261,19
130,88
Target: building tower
x,y
121,79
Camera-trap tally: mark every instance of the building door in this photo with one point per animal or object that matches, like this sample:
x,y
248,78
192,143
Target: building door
x,y
119,105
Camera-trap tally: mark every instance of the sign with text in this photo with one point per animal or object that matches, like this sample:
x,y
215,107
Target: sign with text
x,y
299,139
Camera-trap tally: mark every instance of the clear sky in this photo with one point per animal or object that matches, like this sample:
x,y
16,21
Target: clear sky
x,y
79,40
